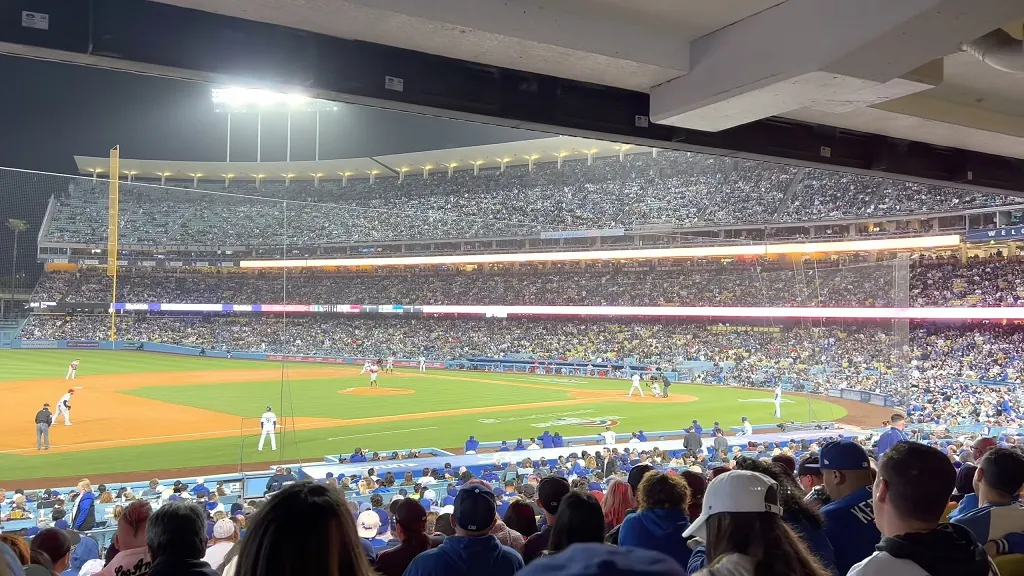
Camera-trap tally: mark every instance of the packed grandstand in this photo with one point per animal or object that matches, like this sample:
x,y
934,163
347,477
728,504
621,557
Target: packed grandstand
x,y
954,386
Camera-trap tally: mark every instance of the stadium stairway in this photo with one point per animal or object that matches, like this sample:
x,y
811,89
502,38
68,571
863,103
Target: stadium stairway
x,y
9,329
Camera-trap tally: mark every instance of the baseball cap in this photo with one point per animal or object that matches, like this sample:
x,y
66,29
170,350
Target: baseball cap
x,y
550,492
475,509
367,524
736,491
843,455
410,516
591,559
809,466
224,528
636,474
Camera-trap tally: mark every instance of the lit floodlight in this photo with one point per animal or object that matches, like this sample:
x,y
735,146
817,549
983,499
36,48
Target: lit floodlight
x,y
237,99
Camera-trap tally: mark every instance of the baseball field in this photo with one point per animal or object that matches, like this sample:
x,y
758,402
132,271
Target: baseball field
x,y
140,414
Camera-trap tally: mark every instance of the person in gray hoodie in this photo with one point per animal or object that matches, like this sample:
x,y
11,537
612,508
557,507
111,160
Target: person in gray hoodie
x,y
910,495
472,551
660,519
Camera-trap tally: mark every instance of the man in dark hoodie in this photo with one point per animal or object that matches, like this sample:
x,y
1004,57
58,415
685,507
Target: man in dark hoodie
x,y
472,551
176,538
910,496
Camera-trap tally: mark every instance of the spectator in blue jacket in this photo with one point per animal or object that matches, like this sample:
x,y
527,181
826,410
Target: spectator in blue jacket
x,y
504,446
547,440
910,495
698,428
199,490
850,517
641,436
357,456
998,521
557,440
472,551
83,515
519,444
471,445
897,422
660,519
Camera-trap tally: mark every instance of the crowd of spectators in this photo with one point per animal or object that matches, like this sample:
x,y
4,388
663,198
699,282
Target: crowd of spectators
x,y
930,282
678,189
832,506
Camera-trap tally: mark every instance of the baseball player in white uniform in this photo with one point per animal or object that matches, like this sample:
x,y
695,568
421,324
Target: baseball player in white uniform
x,y
778,401
366,367
72,369
389,365
747,428
373,375
423,363
64,407
656,389
636,385
268,422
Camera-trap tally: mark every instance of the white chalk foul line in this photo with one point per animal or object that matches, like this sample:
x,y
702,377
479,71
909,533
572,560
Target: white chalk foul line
x,y
382,433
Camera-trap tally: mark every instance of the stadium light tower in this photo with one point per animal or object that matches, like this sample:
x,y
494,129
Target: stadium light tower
x,y
234,100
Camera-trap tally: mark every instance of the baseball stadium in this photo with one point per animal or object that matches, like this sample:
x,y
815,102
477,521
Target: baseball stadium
x,y
464,311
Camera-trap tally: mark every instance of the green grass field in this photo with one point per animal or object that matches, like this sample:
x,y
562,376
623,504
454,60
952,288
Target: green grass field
x,y
484,398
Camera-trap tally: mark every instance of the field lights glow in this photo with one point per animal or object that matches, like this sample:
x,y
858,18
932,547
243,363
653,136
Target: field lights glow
x,y
917,243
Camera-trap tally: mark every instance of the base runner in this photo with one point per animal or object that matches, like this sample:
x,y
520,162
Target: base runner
x,y
64,407
72,369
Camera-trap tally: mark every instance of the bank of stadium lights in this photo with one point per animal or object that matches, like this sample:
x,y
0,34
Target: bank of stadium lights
x,y
235,100
758,250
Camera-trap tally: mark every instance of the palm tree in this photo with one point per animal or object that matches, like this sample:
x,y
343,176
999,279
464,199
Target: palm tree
x,y
16,226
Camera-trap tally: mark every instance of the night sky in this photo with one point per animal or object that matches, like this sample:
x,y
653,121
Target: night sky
x,y
51,112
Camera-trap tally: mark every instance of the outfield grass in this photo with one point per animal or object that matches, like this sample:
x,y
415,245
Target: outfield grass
x,y
414,427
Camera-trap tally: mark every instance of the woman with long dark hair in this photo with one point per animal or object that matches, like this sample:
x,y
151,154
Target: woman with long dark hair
x,y
795,510
579,519
304,529
519,516
740,531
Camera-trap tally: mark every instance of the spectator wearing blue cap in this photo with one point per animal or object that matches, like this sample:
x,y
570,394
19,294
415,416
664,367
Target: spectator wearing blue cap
x,y
660,519
519,444
999,520
504,446
910,495
472,551
895,433
471,445
850,517
601,560
697,427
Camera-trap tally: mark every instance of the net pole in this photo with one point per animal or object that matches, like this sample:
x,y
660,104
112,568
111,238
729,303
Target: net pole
x,y
112,232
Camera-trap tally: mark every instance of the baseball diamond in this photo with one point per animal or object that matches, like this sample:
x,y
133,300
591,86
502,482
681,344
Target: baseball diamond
x,y
190,410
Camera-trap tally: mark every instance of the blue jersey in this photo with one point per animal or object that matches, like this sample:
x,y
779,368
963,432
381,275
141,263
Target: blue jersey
x,y
888,439
850,526
994,523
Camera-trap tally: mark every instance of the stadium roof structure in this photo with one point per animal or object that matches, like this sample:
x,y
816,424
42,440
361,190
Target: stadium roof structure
x,y
413,163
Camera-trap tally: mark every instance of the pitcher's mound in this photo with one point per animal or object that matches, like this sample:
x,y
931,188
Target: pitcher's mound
x,y
376,391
